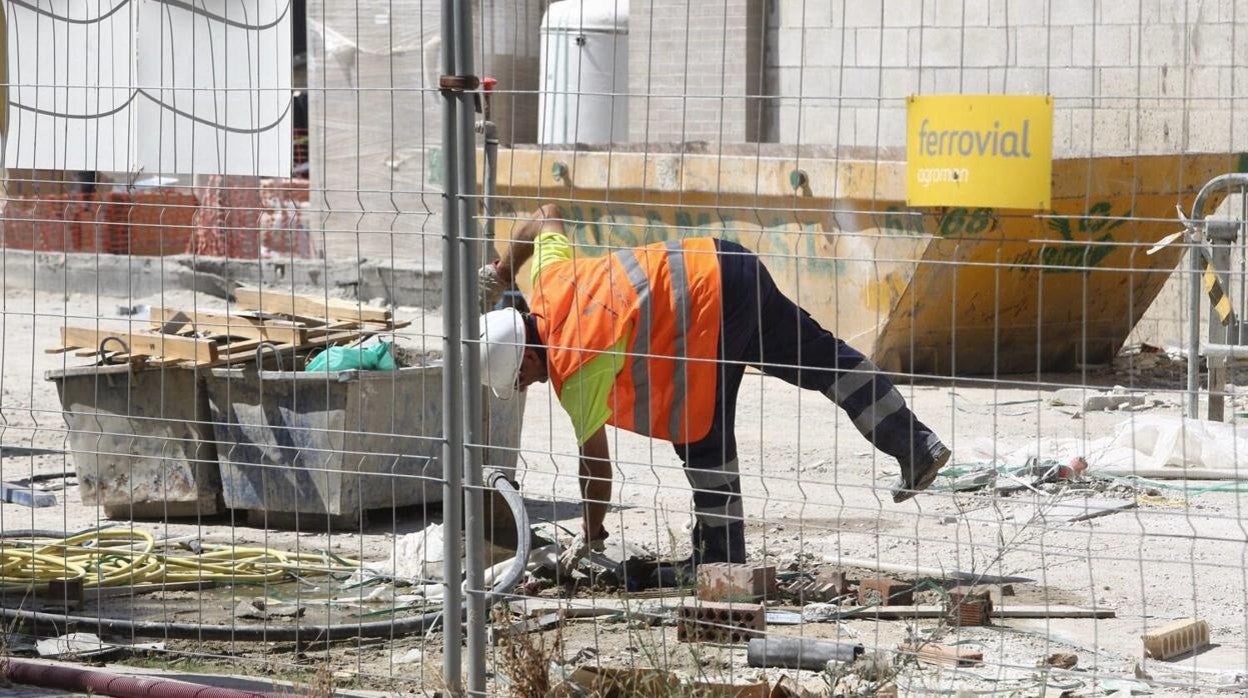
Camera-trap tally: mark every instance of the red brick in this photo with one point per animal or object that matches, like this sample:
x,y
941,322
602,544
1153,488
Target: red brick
x,y
724,623
968,607
884,591
726,581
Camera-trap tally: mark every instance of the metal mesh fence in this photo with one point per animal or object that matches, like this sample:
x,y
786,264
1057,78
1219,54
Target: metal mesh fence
x,y
258,422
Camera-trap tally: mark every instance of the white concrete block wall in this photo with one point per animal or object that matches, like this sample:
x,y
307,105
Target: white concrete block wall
x,y
694,66
1128,76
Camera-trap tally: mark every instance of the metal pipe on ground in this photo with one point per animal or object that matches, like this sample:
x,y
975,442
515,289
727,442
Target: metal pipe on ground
x,y
103,683
799,653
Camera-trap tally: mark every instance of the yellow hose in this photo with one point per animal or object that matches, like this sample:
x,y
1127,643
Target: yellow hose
x,y
122,557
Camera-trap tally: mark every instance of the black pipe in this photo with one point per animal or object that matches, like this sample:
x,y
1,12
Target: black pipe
x,y
799,653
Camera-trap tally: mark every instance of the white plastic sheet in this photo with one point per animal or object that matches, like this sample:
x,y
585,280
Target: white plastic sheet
x,y
1141,442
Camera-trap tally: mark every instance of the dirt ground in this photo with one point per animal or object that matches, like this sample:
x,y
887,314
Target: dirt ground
x,y
814,489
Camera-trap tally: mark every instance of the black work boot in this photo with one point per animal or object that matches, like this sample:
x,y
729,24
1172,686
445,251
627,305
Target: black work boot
x,y
710,544
719,543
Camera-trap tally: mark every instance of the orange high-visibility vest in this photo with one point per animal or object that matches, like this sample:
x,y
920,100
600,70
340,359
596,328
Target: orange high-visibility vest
x,y
665,300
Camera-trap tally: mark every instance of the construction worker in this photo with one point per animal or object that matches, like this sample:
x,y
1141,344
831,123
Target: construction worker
x,y
655,340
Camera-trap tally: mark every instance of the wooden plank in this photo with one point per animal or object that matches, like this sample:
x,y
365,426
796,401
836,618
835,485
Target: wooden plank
x,y
603,606
335,326
278,301
245,355
229,325
146,588
908,612
165,362
943,654
164,345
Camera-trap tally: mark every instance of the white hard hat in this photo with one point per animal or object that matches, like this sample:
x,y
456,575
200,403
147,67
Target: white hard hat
x,y
502,348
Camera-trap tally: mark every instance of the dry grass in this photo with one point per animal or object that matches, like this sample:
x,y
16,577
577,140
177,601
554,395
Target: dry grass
x,y
322,683
525,660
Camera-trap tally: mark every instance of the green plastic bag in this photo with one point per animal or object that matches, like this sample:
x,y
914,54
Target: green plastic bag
x,y
374,358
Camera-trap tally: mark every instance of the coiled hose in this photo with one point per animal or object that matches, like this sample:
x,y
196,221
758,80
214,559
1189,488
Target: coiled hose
x,y
300,633
121,556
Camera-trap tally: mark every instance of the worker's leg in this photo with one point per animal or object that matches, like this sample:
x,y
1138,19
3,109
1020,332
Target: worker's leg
x,y
795,348
711,467
711,462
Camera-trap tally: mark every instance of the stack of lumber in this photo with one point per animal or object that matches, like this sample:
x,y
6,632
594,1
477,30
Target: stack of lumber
x,y
289,322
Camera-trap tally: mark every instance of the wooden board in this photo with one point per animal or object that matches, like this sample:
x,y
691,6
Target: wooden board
x,y
943,654
231,325
249,354
591,607
278,301
163,345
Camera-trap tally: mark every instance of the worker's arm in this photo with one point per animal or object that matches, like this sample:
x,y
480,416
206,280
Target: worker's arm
x,y
595,477
546,217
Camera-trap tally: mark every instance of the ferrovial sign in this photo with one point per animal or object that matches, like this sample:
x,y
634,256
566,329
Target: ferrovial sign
x,y
979,150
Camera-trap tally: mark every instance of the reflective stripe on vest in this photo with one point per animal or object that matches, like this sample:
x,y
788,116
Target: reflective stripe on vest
x,y
641,342
663,302
680,294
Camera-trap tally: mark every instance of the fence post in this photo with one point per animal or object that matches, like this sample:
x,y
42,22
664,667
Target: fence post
x,y
452,385
469,260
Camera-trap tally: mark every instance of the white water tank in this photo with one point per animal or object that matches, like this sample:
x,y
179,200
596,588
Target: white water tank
x,y
584,72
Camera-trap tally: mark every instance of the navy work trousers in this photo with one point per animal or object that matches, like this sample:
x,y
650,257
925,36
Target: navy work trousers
x,y
761,327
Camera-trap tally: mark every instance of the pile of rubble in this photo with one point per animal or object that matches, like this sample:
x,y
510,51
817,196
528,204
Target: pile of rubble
x,y
1147,365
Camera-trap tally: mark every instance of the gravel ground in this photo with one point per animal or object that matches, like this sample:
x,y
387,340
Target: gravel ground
x,y
814,489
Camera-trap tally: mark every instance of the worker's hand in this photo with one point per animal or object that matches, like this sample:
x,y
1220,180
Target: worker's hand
x,y
578,549
490,285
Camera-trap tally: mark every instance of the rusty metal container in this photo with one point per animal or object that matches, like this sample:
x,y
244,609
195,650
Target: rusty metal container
x,y
324,448
142,440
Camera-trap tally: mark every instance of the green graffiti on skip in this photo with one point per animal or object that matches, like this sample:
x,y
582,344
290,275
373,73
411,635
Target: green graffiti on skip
x,y
1065,259
788,246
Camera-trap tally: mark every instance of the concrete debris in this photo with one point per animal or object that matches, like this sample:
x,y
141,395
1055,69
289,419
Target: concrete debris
x,y
617,681
26,496
263,609
1007,479
1119,398
786,687
1062,660
542,623
706,689
410,657
1147,364
1176,638
884,591
89,645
